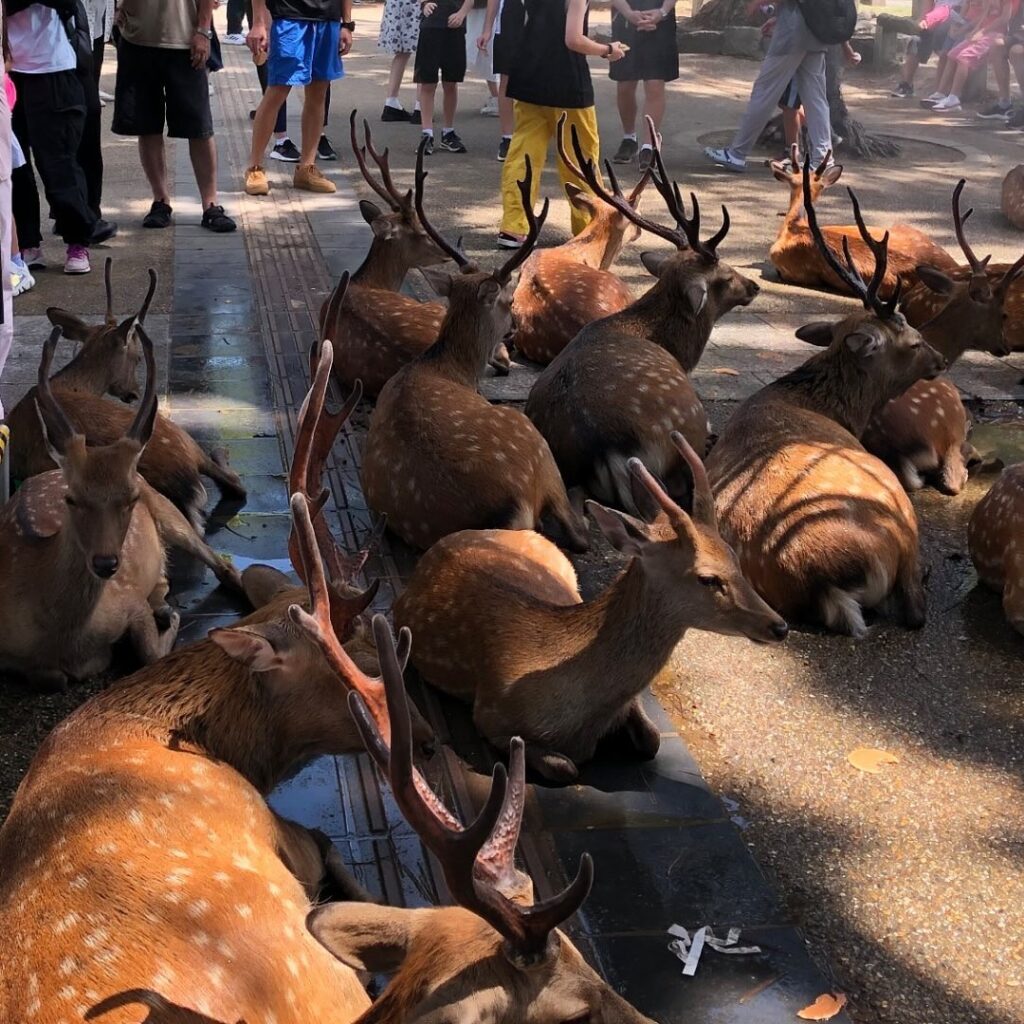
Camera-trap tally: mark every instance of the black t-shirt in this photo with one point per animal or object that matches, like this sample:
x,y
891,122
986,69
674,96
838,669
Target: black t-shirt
x,y
442,12
305,10
545,71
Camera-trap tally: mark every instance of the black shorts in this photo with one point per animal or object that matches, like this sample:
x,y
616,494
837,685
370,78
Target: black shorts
x,y
653,56
790,99
440,51
153,82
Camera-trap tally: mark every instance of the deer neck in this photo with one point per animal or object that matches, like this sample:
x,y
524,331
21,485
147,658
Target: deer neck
x,y
73,601
795,221
952,333
384,267
592,247
834,385
463,344
85,373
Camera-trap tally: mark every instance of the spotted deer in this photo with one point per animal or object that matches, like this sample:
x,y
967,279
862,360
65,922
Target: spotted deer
x,y
620,388
475,595
798,259
439,458
922,434
82,549
563,289
1012,196
995,538
823,528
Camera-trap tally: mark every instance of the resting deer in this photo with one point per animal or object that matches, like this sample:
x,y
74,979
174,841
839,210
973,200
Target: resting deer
x,y
439,458
798,258
82,549
995,537
563,289
1012,196
822,528
619,389
476,595
922,434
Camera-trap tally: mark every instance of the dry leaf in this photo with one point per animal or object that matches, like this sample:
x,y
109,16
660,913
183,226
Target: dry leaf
x,y
825,1007
868,759
726,371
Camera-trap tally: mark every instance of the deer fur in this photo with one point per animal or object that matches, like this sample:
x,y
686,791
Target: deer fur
x,y
798,260
475,596
1012,196
995,539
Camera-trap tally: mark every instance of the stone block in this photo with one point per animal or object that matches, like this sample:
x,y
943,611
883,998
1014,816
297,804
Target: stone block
x,y
699,40
742,41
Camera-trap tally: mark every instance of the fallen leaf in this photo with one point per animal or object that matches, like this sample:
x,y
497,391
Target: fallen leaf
x,y
870,760
726,371
825,1007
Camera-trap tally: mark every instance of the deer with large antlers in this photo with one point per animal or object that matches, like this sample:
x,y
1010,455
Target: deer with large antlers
x,y
475,595
563,289
995,538
798,259
82,549
439,458
922,434
823,528
620,388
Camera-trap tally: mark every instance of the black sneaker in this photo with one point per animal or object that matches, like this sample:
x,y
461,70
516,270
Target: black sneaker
x,y
903,91
626,153
998,111
451,143
428,148
159,215
507,241
395,114
1016,118
503,148
416,117
646,159
102,232
287,151
216,220
324,149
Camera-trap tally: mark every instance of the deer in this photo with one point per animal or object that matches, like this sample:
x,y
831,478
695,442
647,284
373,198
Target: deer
x,y
620,387
587,663
822,528
83,549
1012,196
563,289
798,259
995,540
438,457
922,434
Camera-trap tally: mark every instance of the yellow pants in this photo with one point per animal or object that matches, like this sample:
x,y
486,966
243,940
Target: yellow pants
x,y
536,128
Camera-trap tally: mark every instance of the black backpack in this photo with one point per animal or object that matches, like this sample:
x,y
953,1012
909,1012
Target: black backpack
x,y
831,21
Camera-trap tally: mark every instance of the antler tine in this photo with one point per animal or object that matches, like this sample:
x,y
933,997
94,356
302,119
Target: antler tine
x,y
446,247
360,154
1011,275
383,162
563,152
879,249
150,292
977,266
719,236
147,407
44,393
519,257
703,497
794,157
657,492
823,166
108,265
496,859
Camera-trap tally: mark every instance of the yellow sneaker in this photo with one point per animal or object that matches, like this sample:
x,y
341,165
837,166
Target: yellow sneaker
x,y
256,183
310,179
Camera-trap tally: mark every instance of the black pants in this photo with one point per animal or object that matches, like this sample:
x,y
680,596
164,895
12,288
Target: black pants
x,y
90,151
51,117
236,8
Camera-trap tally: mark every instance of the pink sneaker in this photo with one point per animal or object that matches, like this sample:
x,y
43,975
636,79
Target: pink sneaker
x,y
77,260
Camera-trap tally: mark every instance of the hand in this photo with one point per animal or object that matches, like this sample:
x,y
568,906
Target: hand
x,y
483,41
256,40
200,50
636,18
768,27
455,20
618,51
853,58
344,42
650,24
428,10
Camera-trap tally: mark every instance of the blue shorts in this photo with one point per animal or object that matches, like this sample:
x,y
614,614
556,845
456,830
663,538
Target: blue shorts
x,y
301,52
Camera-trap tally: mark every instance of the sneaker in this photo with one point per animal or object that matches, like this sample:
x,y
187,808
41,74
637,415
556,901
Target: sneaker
x,y
416,117
395,114
903,91
626,153
77,260
490,108
451,143
427,141
103,232
159,215
21,277
506,240
107,96
1016,119
646,159
503,149
310,178
998,111
947,104
256,183
726,159
324,149
234,39
216,220
287,151
34,258
929,101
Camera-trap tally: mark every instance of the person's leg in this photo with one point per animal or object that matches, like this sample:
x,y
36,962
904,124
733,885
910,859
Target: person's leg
x,y
266,121
312,120
654,103
776,71
910,66
203,154
235,10
153,157
281,122
98,48
90,151
450,103
585,122
399,62
425,92
810,82
534,128
791,126
24,192
1000,60
327,104
1015,57
625,94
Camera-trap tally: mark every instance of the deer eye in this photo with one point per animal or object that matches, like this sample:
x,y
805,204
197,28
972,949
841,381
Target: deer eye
x,y
708,580
70,502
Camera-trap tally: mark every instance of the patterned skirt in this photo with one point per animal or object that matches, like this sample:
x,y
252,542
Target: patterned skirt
x,y
399,26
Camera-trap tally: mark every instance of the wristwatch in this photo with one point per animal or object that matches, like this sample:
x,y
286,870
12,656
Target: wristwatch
x,y
207,32
350,25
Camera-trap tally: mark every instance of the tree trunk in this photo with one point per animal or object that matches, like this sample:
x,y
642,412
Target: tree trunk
x,y
720,13
855,139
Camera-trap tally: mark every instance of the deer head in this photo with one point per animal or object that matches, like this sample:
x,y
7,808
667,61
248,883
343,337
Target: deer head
x,y
688,554
101,483
110,352
499,957
974,315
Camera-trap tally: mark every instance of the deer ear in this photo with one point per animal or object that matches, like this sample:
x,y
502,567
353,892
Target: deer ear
x,y
832,175
71,326
654,262
817,333
248,646
438,278
126,329
780,172
365,936
488,291
934,279
864,343
262,583
370,211
580,199
697,296
622,531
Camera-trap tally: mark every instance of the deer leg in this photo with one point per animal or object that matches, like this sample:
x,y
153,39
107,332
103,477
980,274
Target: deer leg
x,y
157,600
149,641
571,527
500,361
642,733
908,473
953,472
312,858
842,613
216,467
908,596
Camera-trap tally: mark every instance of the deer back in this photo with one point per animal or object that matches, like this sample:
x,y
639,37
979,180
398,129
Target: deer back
x,y
995,538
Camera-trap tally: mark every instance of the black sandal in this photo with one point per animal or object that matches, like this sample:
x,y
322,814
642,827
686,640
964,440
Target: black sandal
x,y
215,219
159,215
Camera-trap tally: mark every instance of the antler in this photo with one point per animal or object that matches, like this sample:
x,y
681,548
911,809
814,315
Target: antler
x,y
59,429
150,292
454,252
1010,276
398,201
703,497
464,852
848,273
142,425
977,266
574,168
518,258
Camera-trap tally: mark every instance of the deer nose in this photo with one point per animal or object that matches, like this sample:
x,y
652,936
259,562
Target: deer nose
x,y
105,566
780,630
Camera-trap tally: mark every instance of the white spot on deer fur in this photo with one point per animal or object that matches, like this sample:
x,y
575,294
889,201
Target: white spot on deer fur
x,y
292,966
221,877
163,978
67,993
197,908
244,911
135,816
67,922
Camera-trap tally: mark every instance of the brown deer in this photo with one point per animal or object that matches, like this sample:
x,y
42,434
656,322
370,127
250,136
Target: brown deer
x,y
620,388
799,261
1012,196
82,549
822,528
581,675
995,537
563,289
922,434
439,458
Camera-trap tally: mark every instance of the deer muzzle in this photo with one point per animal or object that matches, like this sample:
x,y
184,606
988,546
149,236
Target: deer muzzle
x,y
104,566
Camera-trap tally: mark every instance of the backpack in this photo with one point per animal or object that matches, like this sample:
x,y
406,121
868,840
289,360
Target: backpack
x,y
831,21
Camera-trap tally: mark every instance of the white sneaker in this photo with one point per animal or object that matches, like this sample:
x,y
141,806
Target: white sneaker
x,y
77,260
948,103
21,280
490,108
34,258
108,96
234,39
726,159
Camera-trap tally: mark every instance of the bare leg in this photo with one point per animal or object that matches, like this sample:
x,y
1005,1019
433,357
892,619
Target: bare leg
x,y
791,126
312,120
625,93
492,88
153,158
425,92
654,103
263,124
910,66
203,153
450,96
959,79
399,63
